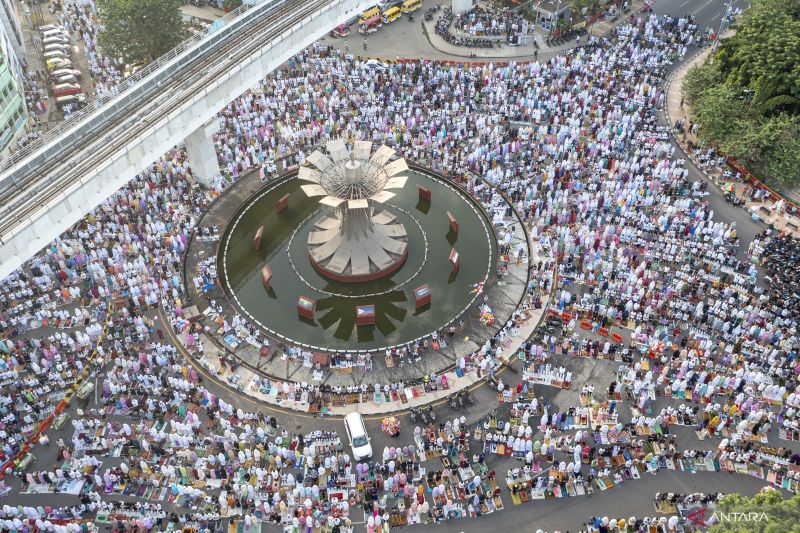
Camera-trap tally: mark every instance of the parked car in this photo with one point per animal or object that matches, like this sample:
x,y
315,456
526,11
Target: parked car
x,y
55,33
56,46
67,78
56,74
58,63
55,53
340,31
77,100
65,89
385,5
357,434
55,40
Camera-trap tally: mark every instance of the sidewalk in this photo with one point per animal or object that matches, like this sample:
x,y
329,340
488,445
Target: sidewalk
x,y
766,210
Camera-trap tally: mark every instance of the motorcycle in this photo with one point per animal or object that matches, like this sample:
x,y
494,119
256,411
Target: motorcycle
x,y
431,413
452,401
467,397
460,399
413,414
423,416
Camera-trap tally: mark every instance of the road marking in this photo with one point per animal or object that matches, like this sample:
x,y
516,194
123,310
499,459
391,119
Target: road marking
x,y
702,7
686,2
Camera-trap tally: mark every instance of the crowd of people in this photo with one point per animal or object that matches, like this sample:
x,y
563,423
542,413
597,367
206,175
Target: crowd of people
x,y
572,141
478,22
444,28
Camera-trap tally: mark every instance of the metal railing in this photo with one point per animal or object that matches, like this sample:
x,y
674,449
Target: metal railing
x,y
120,89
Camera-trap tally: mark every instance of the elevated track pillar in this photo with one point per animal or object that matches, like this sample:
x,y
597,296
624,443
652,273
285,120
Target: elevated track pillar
x,y
202,154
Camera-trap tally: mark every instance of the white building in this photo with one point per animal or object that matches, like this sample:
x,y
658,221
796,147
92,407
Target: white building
x,y
13,110
12,27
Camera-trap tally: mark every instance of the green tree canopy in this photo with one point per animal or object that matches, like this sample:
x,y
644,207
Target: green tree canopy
x,y
783,515
139,31
698,79
591,7
746,97
765,51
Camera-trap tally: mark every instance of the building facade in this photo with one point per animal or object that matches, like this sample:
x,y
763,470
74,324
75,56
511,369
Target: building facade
x,y
12,26
13,110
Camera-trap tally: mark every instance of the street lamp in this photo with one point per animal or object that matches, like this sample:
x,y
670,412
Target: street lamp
x,y
728,8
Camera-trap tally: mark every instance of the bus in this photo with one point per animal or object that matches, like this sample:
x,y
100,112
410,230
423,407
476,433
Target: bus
x,y
370,25
410,5
369,14
390,15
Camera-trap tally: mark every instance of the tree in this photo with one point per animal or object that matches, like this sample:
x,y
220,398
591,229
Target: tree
x,y
782,515
765,50
590,7
720,113
698,79
783,163
746,97
139,31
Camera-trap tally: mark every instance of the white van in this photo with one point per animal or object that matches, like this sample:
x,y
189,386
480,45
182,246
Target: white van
x,y
357,434
55,33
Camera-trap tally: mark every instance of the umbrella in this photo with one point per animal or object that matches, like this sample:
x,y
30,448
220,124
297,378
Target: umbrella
x,y
390,425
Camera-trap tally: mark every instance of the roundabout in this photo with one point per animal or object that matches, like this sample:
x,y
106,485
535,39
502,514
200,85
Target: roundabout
x,y
322,286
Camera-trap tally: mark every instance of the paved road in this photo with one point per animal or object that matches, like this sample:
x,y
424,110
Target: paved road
x,y
708,14
634,498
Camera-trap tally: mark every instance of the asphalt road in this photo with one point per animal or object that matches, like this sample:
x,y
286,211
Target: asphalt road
x,y
634,498
708,14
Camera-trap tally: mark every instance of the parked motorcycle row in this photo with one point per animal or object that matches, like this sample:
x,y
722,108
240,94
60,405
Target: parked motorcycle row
x,y
431,12
566,36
